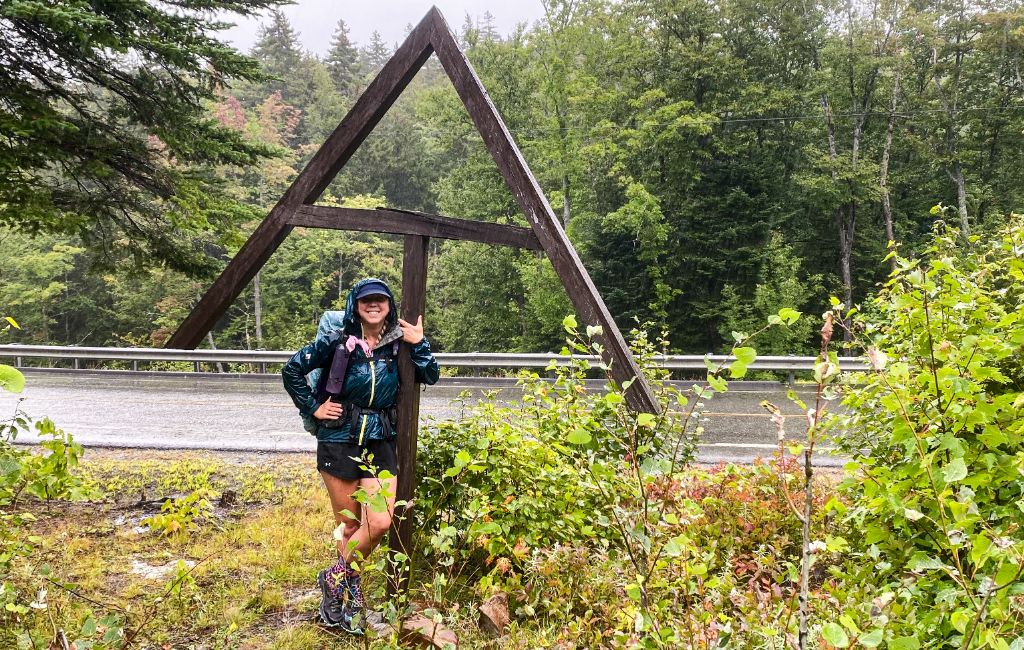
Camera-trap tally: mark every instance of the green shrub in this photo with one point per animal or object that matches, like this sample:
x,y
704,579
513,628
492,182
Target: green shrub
x,y
28,474
178,518
650,551
937,489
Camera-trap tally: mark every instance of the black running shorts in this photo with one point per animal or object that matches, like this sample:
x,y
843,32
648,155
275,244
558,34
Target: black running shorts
x,y
349,461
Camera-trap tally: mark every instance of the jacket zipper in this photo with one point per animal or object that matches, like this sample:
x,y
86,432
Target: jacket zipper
x,y
373,391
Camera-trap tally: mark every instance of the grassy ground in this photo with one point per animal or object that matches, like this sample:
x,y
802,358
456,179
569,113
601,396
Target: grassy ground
x,y
232,564
241,575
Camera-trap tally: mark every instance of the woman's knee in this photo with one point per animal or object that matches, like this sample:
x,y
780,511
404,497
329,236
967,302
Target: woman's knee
x,y
378,523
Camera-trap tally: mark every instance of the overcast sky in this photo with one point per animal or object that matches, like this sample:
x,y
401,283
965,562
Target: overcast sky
x,y
315,20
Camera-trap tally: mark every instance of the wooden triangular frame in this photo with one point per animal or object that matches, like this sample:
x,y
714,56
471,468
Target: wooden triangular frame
x,y
431,35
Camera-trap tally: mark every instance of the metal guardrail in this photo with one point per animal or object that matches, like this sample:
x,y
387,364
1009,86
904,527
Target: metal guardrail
x,y
475,360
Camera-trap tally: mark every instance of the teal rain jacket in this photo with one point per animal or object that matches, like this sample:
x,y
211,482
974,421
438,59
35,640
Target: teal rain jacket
x,y
371,384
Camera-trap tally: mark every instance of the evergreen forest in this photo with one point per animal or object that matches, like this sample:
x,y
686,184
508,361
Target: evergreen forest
x,y
711,161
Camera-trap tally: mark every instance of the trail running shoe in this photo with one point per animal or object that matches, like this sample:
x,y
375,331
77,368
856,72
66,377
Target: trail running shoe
x,y
352,619
354,603
332,610
355,590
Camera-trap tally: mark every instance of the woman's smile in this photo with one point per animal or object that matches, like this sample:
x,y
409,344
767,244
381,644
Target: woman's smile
x,y
373,309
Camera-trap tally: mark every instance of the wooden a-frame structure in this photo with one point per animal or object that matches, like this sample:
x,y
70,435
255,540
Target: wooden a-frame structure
x,y
296,208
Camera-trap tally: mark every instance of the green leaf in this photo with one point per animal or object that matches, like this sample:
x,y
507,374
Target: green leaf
x,y
569,323
960,619
849,624
89,627
836,544
11,379
746,355
980,544
955,470
1006,574
789,316
633,591
645,420
737,369
922,562
579,436
13,322
835,634
673,548
872,639
717,384
905,643
912,515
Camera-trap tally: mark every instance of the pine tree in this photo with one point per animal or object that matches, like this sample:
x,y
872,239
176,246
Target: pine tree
x,y
488,32
343,61
376,54
279,54
105,130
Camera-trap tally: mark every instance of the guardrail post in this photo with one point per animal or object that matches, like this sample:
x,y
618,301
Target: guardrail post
x,y
135,365
792,374
17,362
76,363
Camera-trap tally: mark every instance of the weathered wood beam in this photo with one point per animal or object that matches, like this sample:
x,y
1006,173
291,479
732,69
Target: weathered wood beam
x,y
535,206
406,222
368,110
414,301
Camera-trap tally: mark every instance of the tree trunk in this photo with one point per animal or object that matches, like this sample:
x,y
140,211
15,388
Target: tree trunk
x,y
213,346
883,180
257,302
950,106
341,278
845,214
956,174
565,200
847,223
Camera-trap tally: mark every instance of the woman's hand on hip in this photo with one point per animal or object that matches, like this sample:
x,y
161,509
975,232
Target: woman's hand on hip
x,y
412,333
328,411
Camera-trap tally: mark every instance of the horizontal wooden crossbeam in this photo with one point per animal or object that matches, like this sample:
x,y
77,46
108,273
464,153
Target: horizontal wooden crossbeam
x,y
407,222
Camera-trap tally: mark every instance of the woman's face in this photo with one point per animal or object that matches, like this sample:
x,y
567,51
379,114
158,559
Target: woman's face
x,y
373,309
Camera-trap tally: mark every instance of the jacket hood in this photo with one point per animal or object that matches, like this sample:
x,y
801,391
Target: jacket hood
x,y
351,319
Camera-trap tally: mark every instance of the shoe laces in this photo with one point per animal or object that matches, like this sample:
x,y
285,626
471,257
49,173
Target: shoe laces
x,y
334,607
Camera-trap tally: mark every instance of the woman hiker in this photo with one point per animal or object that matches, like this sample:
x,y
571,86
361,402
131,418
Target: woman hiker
x,y
351,410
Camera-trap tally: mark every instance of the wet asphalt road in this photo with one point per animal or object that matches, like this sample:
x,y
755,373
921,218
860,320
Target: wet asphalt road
x,y
251,412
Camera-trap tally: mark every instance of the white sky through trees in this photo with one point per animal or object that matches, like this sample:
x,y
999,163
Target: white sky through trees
x,y
315,20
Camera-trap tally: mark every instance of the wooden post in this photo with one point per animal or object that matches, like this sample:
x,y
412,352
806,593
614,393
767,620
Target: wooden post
x,y
414,295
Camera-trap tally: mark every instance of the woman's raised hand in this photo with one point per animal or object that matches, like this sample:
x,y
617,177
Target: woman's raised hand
x,y
412,333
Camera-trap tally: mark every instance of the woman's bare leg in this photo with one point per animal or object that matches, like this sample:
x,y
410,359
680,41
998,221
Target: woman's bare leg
x,y
369,526
342,495
374,524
